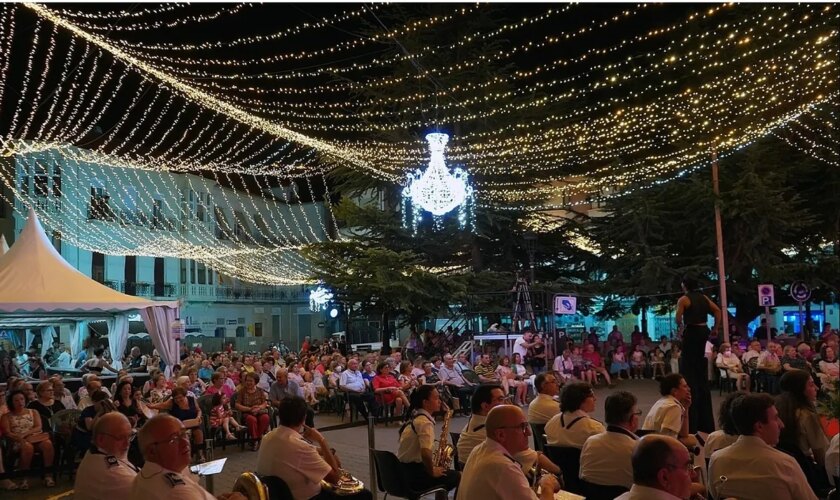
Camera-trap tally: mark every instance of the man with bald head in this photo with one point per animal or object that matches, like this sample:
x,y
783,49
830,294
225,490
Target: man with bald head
x,y
662,470
284,388
165,445
105,472
491,471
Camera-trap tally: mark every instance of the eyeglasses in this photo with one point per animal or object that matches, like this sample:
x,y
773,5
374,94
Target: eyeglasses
x,y
524,426
637,413
689,466
129,437
183,435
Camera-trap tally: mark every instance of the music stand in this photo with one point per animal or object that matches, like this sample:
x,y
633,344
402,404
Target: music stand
x,y
207,470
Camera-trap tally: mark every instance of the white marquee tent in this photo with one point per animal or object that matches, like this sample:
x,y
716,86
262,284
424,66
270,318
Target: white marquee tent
x,y
38,287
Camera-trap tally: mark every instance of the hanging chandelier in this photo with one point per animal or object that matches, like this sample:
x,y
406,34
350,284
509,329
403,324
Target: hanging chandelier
x,y
436,190
319,297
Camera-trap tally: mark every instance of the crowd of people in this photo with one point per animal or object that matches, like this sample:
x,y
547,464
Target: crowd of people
x,y
235,396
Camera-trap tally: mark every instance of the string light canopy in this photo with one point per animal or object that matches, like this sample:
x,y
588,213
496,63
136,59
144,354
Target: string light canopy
x,y
586,104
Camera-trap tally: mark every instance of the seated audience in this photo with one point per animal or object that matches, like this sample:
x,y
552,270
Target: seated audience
x,y
751,468
286,453
127,401
165,445
669,415
22,426
354,385
251,401
186,410
606,458
46,405
770,367
829,368
573,425
802,436
486,371
662,470
490,474
543,407
594,362
728,361
388,390
105,472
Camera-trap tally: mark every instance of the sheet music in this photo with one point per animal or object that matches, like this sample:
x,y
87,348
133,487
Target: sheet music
x,y
209,468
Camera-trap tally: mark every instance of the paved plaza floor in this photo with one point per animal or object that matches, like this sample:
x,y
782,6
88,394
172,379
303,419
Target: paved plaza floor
x,y
351,444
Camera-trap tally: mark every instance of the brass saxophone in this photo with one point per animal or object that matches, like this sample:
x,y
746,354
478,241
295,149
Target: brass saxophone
x,y
444,452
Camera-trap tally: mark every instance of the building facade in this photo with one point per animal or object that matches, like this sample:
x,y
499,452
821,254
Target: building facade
x,y
227,251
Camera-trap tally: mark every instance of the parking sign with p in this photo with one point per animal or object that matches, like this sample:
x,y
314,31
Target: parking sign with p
x,y
766,297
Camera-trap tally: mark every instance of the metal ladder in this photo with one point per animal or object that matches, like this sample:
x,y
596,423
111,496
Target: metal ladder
x,y
465,348
522,308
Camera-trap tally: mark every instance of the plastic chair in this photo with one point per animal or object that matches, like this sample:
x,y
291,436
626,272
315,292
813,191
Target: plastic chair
x,y
277,488
538,431
725,382
391,480
568,459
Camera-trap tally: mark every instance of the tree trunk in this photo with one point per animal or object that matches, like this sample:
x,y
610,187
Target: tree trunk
x,y
386,335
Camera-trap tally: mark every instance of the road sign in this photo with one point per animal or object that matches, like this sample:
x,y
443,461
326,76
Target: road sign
x,y
565,305
766,296
800,291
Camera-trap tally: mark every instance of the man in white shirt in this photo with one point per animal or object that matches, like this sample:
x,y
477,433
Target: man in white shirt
x,y
65,359
523,343
545,405
662,470
105,472
450,375
485,398
669,415
606,458
770,367
285,453
165,445
750,358
352,382
573,426
417,441
751,468
491,472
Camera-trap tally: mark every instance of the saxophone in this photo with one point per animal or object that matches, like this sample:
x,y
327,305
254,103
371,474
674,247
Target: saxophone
x,y
444,452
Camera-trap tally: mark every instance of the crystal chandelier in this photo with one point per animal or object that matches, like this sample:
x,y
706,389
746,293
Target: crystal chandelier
x,y
436,190
318,298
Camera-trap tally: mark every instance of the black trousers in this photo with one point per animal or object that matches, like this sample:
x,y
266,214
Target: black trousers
x,y
694,367
420,480
330,495
363,401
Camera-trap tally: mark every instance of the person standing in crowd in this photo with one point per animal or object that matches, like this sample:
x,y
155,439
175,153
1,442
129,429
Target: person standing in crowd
x,y
491,473
693,310
287,453
105,472
543,407
417,441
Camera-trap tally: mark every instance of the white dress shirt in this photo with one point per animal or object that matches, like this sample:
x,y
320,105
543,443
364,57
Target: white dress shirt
x,y
491,473
638,492
717,440
153,482
665,417
285,454
832,459
754,470
420,433
542,408
472,435
605,458
352,381
103,477
564,430
519,347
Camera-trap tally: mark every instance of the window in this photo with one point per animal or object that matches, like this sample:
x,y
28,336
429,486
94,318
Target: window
x,y
222,227
56,241
202,273
56,186
157,213
99,208
97,267
220,321
185,263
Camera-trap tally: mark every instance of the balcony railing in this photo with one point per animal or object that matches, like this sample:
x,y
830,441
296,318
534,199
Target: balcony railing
x,y
143,289
241,293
